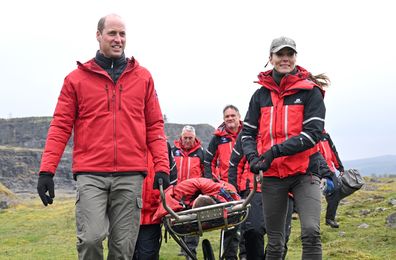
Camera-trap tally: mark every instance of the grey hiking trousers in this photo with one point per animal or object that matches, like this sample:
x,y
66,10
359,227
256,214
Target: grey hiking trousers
x,y
307,198
108,207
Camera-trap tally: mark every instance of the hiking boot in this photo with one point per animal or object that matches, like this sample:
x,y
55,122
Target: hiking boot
x,y
332,223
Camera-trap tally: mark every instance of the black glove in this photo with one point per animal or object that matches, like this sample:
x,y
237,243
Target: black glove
x,y
261,163
165,180
46,183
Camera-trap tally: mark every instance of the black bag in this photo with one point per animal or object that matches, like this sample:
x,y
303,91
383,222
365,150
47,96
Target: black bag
x,y
351,181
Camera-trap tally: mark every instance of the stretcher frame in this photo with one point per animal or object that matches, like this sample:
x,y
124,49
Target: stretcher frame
x,y
224,216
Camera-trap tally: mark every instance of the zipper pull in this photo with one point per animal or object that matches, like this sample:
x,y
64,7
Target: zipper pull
x,y
108,99
119,105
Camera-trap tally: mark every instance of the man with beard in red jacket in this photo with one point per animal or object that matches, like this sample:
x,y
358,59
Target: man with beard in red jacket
x,y
111,106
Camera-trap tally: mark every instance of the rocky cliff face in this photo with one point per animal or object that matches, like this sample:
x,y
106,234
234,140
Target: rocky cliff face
x,y
22,141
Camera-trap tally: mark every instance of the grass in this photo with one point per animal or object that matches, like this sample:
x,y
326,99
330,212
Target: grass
x,y
31,231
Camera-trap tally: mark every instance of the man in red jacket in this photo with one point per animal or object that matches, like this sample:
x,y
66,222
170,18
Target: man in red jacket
x,y
112,107
217,158
188,154
189,157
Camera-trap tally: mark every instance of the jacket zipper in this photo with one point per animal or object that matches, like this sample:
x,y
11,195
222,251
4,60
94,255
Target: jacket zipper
x,y
119,102
108,98
114,129
181,169
188,167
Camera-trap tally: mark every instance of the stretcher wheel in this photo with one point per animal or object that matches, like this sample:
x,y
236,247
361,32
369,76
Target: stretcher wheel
x,y
207,250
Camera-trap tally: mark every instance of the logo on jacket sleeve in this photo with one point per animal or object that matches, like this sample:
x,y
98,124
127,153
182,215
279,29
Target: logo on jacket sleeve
x,y
297,101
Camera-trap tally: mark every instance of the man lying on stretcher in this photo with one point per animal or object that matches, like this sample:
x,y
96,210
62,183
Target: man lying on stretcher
x,y
183,195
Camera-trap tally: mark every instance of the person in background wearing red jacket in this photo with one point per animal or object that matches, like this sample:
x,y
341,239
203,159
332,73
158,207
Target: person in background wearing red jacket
x,y
217,161
149,239
111,106
218,153
282,127
330,154
188,154
251,245
189,157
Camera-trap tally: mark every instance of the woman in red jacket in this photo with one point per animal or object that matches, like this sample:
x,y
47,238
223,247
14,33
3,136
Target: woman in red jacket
x,y
281,130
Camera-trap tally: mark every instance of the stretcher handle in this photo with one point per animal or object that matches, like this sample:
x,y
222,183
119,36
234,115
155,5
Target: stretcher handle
x,y
170,211
256,178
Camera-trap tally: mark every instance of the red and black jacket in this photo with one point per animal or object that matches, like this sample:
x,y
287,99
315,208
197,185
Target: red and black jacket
x,y
190,164
217,156
291,117
239,173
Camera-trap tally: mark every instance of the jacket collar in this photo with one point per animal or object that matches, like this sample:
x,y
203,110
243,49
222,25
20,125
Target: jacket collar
x,y
108,63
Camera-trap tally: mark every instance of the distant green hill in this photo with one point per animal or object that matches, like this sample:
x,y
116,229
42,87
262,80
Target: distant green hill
x,y
375,166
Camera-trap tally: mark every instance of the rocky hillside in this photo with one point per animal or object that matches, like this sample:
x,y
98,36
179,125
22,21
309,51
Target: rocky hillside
x,y
22,141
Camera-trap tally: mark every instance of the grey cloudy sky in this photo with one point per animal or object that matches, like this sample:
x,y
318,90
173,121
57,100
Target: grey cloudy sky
x,y
206,54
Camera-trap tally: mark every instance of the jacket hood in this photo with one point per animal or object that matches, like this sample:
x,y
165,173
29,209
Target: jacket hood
x,y
91,65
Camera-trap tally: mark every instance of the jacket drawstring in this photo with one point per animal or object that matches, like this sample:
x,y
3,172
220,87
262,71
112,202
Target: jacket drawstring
x,y
119,106
108,98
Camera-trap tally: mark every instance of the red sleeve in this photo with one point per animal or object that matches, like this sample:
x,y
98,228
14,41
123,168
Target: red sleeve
x,y
156,139
60,128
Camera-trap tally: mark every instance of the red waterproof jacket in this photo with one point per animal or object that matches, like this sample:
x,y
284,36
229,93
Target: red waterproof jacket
x,y
330,154
289,116
189,163
151,197
114,124
217,156
182,195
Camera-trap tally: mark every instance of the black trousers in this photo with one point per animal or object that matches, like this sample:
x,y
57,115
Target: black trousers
x,y
288,227
148,243
253,229
333,199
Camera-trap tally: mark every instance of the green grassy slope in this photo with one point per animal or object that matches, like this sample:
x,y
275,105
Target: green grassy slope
x,y
31,231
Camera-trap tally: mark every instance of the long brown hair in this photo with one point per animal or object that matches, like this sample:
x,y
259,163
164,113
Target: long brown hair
x,y
321,80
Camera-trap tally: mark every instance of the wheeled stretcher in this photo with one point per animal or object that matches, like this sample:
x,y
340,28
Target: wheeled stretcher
x,y
223,216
